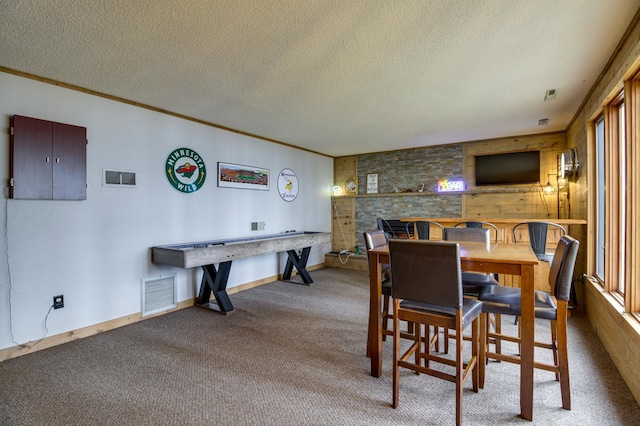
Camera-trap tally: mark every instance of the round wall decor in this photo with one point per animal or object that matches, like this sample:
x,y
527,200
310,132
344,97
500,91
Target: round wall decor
x,y
185,170
288,185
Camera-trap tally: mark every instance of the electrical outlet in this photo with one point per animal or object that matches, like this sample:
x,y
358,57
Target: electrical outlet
x,y
58,302
257,226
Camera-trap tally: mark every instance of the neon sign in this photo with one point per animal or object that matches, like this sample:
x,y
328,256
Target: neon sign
x,y
450,185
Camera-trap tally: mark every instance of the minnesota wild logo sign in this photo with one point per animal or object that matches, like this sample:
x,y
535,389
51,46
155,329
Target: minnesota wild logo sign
x,y
185,170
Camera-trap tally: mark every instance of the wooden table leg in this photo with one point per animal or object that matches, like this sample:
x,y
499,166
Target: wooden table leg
x,y
527,341
374,338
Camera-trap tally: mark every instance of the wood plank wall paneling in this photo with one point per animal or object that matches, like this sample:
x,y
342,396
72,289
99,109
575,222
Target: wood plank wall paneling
x,y
343,168
343,209
618,334
521,205
529,203
620,339
343,224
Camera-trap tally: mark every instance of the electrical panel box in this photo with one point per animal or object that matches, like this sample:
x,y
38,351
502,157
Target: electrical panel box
x,y
48,160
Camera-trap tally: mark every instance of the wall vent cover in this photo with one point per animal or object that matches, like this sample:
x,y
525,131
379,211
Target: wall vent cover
x,y
158,294
118,178
257,226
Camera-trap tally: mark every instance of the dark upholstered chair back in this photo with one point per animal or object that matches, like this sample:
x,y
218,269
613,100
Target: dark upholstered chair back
x,y
481,235
427,272
561,271
374,238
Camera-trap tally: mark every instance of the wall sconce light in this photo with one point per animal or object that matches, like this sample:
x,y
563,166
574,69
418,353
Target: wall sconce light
x,y
568,164
548,188
562,183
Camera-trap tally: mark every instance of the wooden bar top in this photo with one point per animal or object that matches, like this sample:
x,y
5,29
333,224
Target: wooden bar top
x,y
495,221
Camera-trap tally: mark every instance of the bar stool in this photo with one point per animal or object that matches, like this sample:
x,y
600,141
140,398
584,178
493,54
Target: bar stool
x,y
548,306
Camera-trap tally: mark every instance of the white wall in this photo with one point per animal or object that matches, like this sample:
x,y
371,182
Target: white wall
x,y
96,252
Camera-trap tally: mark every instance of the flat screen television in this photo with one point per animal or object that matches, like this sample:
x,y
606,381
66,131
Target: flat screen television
x,y
508,169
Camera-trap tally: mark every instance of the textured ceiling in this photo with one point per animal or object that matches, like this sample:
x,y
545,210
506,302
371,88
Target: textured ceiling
x,y
334,77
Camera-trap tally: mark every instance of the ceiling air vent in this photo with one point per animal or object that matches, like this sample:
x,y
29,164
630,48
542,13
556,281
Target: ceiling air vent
x,y
550,95
543,122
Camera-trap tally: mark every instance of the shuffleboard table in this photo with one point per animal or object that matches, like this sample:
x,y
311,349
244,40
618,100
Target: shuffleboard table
x,y
207,253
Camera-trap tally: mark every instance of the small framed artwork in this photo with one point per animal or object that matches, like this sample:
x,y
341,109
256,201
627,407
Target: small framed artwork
x,y
351,185
244,177
372,183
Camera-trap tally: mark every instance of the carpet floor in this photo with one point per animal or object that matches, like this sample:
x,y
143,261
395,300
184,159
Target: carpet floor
x,y
288,355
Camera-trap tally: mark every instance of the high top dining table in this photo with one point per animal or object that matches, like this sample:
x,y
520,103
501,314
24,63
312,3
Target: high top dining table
x,y
501,258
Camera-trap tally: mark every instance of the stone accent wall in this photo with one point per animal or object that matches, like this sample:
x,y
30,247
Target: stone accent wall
x,y
396,207
407,170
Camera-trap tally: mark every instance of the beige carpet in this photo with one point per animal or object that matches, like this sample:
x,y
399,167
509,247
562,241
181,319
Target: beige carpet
x,y
288,355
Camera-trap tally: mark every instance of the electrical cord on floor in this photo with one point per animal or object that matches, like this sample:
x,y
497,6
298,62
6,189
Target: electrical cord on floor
x,y
46,330
343,252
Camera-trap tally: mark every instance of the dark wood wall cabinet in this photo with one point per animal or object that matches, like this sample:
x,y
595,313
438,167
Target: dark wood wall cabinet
x,y
48,160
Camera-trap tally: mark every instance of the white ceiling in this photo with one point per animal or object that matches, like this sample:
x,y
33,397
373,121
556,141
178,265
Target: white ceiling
x,y
337,77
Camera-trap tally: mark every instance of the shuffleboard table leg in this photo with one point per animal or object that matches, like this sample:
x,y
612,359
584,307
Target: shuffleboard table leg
x,y
300,262
215,281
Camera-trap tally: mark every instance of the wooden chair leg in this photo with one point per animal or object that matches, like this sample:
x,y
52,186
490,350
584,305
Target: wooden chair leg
x,y
418,340
427,349
554,344
563,364
519,337
396,354
385,316
433,339
498,329
475,348
484,343
436,331
446,340
459,373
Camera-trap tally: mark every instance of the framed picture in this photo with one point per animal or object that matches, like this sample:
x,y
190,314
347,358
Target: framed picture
x,y
372,183
243,177
351,185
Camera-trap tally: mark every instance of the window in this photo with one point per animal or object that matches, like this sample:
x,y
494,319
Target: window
x,y
617,201
601,186
622,199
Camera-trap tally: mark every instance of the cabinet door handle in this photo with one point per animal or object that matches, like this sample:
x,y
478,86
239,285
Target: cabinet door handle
x,y
47,159
57,161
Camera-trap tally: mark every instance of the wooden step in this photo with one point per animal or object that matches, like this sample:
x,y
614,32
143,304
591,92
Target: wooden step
x,y
347,261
